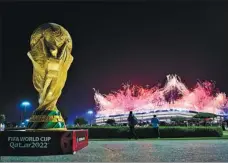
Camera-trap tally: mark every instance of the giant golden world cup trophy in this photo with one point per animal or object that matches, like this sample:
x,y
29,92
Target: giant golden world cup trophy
x,y
50,53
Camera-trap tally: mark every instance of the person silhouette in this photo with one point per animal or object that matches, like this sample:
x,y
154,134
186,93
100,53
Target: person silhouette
x,y
155,123
132,121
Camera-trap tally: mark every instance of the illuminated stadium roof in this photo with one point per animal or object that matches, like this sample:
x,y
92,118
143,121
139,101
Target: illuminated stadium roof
x,y
174,95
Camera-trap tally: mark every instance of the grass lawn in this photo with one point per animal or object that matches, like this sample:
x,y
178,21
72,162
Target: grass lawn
x,y
225,133
225,136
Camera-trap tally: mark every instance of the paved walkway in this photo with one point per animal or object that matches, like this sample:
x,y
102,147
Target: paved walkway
x,y
142,151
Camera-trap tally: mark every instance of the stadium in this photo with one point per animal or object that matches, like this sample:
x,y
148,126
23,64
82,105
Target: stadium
x,y
174,99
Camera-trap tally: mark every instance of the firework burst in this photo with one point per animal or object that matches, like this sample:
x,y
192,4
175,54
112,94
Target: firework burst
x,y
202,98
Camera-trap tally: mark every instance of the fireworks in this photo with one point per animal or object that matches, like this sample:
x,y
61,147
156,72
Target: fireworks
x,y
174,95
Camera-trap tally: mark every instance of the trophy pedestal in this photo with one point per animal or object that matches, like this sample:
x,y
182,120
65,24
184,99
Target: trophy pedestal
x,y
41,143
47,120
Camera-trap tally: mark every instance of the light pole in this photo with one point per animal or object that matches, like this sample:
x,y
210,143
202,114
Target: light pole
x,y
25,105
90,112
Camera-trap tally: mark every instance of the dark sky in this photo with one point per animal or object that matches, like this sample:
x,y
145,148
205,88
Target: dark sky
x,y
115,43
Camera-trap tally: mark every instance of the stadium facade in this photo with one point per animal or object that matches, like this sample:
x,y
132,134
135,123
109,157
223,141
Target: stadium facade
x,y
163,115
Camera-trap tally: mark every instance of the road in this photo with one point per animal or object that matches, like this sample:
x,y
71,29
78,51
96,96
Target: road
x,y
142,151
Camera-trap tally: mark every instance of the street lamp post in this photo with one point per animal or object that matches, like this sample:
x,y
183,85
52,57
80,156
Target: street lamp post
x,y
25,105
90,112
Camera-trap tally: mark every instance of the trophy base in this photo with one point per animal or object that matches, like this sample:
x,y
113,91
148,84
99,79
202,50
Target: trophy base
x,y
41,143
46,120
48,129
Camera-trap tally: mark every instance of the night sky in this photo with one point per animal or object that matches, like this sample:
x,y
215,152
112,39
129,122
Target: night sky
x,y
115,43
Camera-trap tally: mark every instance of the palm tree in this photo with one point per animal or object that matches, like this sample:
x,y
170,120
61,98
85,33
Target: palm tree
x,y
80,121
205,116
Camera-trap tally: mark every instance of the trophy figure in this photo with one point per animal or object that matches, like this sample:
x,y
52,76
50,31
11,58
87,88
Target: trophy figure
x,y
50,53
